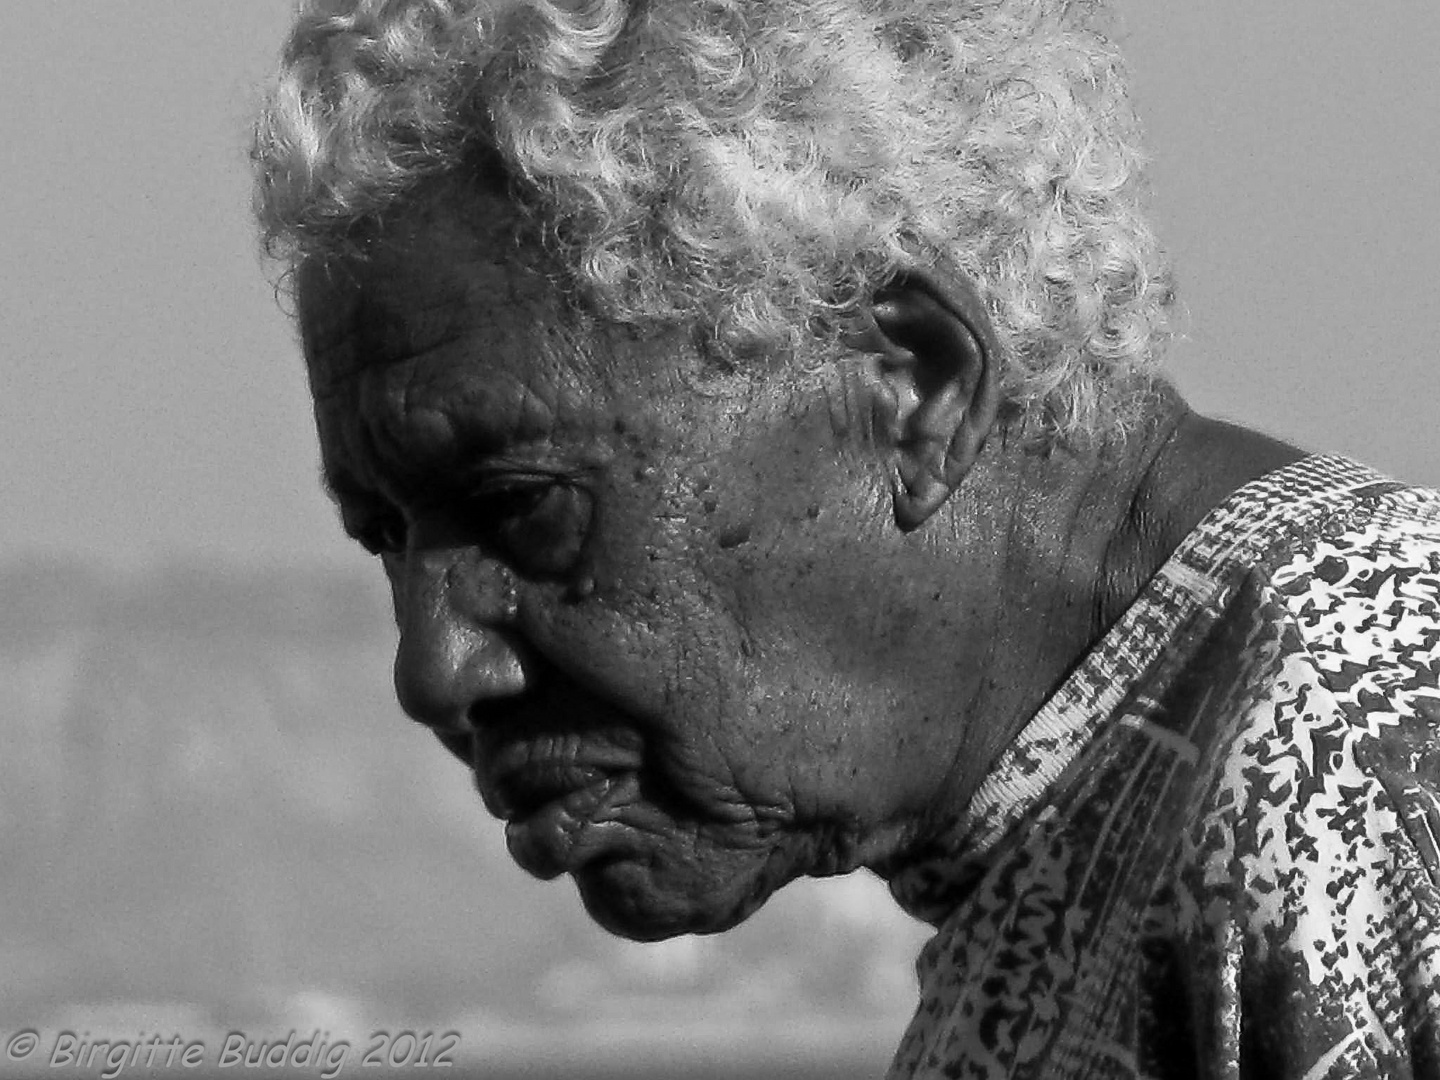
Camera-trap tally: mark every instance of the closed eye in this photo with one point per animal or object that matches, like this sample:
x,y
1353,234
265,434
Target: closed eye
x,y
379,530
536,524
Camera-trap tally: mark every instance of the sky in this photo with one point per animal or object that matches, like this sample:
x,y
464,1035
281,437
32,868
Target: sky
x,y
154,402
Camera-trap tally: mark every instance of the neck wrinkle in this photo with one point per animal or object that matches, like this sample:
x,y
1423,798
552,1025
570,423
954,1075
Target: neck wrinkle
x,y
1146,533
1077,545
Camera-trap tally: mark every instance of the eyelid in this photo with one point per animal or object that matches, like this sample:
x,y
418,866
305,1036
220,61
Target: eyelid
x,y
361,509
489,484
365,511
500,479
500,482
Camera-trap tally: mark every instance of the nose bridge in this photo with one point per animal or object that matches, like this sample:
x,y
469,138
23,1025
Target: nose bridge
x,y
455,611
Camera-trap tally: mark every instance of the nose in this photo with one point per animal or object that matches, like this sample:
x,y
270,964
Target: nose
x,y
455,611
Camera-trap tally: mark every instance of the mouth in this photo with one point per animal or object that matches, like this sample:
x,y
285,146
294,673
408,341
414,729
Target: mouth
x,y
521,793
560,793
564,828
517,777
559,768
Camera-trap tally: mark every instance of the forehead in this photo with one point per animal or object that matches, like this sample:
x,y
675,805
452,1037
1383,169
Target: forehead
x,y
440,279
445,345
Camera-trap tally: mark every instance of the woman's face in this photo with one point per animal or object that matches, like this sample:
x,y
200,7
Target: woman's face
x,y
663,613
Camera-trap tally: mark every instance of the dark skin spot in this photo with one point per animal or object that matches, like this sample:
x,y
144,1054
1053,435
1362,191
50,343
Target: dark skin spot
x,y
735,535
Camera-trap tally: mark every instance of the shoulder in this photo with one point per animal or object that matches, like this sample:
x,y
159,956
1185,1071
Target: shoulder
x,y
1314,855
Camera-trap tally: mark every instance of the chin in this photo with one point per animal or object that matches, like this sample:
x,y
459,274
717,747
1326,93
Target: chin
x,y
648,901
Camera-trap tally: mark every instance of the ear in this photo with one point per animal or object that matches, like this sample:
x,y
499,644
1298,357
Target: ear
x,y
939,363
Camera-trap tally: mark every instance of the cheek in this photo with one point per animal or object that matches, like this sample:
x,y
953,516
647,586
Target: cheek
x,y
647,637
830,595
835,671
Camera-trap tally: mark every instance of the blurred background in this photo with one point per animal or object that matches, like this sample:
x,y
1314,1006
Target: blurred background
x,y
212,815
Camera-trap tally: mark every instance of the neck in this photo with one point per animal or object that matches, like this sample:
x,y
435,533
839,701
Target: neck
x,y
1084,530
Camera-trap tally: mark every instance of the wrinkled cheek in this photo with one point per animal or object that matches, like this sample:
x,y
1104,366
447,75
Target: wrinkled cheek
x,y
593,645
729,795
660,661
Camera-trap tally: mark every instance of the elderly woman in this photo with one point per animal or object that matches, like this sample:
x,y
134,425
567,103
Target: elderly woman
x,y
753,405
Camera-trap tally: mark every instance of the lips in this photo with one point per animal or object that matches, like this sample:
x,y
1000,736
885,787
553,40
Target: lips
x,y
520,775
561,796
559,767
565,832
521,792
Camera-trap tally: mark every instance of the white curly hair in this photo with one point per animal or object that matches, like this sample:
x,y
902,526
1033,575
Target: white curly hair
x,y
754,168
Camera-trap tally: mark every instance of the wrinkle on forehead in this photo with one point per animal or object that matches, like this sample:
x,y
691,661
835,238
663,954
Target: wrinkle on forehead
x,y
454,272
393,315
423,419
446,346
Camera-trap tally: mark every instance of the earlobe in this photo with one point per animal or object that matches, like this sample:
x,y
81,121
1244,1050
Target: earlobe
x,y
938,359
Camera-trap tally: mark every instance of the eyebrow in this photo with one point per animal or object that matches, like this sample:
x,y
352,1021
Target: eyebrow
x,y
340,486
344,487
416,487
350,357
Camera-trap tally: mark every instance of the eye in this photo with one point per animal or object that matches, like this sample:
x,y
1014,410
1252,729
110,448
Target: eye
x,y
379,531
539,526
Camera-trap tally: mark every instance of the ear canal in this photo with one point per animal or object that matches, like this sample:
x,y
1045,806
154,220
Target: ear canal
x,y
939,361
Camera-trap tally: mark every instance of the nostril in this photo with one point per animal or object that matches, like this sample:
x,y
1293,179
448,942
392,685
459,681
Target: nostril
x,y
489,714
423,705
